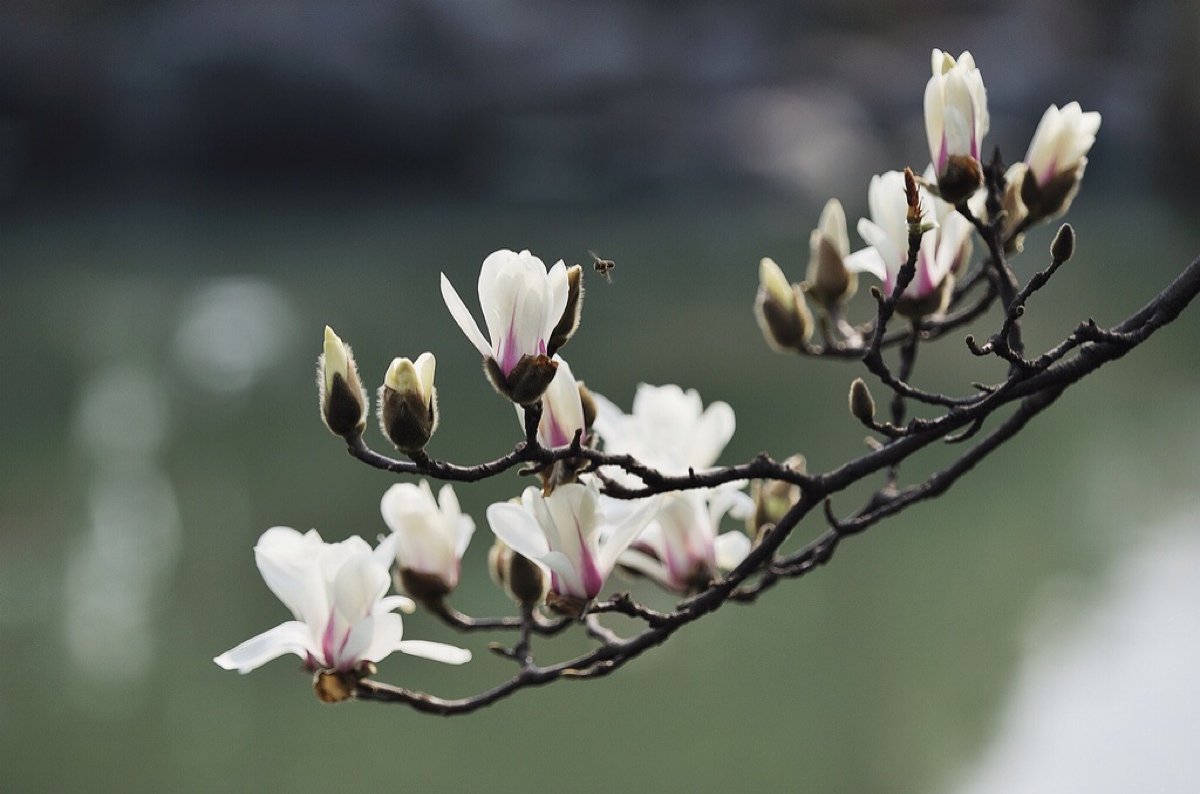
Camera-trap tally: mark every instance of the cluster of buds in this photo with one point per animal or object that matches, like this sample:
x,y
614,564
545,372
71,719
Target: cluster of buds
x,y
407,399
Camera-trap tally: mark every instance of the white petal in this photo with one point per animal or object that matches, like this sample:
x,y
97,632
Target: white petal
x,y
515,526
288,562
625,532
462,316
867,260
730,549
291,637
710,435
436,651
383,633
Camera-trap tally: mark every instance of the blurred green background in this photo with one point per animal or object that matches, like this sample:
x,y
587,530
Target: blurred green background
x,y
190,191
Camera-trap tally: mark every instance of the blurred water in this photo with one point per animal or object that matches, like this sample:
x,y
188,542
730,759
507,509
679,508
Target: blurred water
x,y
164,415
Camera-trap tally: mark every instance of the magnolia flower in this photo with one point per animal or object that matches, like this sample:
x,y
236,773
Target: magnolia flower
x,y
529,313
886,234
669,429
343,398
562,409
1055,162
428,537
956,119
408,403
336,591
563,531
681,549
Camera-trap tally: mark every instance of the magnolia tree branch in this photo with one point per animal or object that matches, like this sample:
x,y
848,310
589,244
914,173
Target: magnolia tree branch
x,y
919,238
1032,388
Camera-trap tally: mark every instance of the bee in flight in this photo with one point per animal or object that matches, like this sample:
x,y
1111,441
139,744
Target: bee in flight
x,y
603,266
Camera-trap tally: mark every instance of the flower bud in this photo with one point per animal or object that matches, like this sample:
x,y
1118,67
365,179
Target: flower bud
x,y
828,280
1056,160
862,405
569,321
343,398
780,309
1063,247
518,576
408,403
773,498
956,119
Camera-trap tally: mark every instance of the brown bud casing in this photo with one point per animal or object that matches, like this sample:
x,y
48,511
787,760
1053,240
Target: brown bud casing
x,y
569,322
959,180
528,380
406,419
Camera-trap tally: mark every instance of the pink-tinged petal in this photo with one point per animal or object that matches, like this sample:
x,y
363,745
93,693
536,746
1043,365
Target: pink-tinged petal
x,y
461,315
291,637
562,414
435,651
565,577
730,549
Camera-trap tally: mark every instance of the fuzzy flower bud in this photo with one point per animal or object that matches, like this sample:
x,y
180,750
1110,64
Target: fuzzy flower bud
x,y
1063,247
343,398
862,404
408,403
780,309
520,577
773,498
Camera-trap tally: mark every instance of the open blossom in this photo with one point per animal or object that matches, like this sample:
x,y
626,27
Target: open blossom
x,y
956,119
571,534
428,537
669,429
529,313
681,548
1055,161
336,592
886,235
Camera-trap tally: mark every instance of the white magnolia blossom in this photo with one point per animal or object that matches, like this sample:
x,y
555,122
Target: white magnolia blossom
x,y
336,592
669,429
428,536
571,533
681,550
886,235
521,302
956,114
562,409
1061,142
